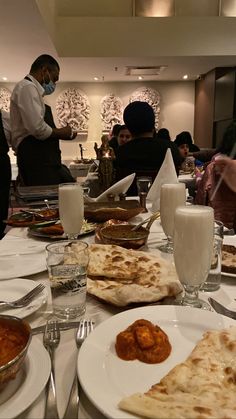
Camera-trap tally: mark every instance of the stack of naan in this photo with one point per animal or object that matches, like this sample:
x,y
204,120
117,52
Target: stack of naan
x,y
123,276
202,387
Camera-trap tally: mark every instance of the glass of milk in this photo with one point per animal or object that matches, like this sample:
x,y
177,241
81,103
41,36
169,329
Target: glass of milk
x,y
193,243
172,195
71,208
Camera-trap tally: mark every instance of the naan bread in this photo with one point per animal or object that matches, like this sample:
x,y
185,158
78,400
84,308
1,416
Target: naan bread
x,y
123,276
202,387
229,259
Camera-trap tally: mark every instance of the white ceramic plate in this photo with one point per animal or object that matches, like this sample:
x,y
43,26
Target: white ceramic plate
x,y
106,378
13,289
231,275
22,265
20,393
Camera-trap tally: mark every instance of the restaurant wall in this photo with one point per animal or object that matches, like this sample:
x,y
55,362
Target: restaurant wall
x,y
176,108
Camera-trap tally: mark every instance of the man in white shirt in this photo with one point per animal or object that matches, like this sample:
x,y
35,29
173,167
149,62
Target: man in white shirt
x,y
5,168
35,138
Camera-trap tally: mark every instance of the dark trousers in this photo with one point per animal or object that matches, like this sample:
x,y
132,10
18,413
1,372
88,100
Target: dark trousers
x,y
5,183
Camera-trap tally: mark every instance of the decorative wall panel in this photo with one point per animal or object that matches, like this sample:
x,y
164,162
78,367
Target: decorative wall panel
x,y
152,97
73,108
5,96
111,111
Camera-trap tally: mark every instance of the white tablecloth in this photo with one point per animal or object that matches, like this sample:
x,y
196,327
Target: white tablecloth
x,y
66,353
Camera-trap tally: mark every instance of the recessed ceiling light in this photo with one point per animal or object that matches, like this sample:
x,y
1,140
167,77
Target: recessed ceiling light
x,y
96,78
4,78
140,77
185,77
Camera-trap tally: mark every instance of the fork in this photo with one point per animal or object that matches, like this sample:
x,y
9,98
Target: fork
x,y
84,329
23,301
51,339
221,309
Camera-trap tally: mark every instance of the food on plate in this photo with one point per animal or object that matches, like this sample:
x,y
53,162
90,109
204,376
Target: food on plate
x,y
143,341
31,217
123,276
57,229
203,386
124,235
229,259
15,336
104,211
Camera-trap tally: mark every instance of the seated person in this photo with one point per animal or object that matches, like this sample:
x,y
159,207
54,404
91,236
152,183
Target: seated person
x,y
123,136
224,200
227,168
185,145
163,133
143,155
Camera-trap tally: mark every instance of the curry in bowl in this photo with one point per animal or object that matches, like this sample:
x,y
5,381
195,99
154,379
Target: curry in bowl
x,y
15,337
123,235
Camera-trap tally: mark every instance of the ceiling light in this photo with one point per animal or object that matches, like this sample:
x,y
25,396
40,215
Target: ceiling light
x,y
140,77
4,78
96,78
185,77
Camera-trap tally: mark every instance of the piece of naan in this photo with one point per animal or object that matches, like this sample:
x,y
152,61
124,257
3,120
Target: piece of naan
x,y
202,387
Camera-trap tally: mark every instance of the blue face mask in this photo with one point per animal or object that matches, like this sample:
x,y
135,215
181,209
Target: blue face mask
x,y
49,87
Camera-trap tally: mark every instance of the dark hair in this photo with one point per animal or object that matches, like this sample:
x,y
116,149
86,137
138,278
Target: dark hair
x,y
139,117
121,127
185,138
44,60
163,133
228,140
115,130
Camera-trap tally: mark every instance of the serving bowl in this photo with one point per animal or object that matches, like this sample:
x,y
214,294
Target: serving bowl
x,y
15,337
123,235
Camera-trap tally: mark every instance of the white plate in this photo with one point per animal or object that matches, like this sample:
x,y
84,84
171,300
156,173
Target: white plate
x,y
20,393
228,274
16,288
106,378
22,265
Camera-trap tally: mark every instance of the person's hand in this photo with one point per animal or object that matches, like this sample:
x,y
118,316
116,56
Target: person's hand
x,y
227,167
66,133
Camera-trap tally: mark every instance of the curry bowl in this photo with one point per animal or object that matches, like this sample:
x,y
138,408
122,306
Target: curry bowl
x,y
15,337
123,235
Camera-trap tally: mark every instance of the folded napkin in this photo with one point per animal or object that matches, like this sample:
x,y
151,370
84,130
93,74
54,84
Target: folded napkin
x,y
166,174
20,246
119,187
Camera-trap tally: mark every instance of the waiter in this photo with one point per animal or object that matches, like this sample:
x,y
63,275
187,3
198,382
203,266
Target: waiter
x,y
35,138
5,169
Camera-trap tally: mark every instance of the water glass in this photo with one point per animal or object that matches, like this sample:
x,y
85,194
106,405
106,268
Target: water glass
x,y
213,280
67,263
143,185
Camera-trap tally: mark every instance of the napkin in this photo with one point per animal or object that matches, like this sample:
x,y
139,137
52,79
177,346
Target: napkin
x,y
119,187
166,174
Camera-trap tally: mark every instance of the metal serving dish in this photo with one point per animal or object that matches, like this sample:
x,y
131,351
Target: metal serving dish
x,y
123,235
13,331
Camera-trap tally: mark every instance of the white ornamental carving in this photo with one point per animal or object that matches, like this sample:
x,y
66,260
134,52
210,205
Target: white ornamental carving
x,y
111,111
152,97
5,96
73,108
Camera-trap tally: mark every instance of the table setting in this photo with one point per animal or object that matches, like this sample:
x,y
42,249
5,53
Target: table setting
x,y
94,291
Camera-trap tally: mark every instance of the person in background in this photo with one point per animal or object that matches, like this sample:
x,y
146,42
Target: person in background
x,y
163,133
123,136
143,154
224,200
35,139
227,168
5,168
113,139
185,145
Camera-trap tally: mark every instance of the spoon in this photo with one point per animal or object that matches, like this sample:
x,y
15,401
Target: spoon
x,y
148,220
46,203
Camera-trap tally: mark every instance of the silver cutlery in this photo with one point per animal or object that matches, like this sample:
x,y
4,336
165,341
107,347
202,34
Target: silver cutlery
x,y
219,308
23,301
51,339
148,220
84,329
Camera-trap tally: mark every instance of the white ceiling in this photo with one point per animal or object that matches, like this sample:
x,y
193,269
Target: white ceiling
x,y
23,36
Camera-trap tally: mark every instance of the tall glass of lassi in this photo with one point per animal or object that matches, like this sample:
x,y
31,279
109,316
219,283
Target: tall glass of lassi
x,y
71,208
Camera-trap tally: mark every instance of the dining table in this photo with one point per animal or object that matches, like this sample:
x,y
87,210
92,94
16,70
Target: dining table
x,y
96,310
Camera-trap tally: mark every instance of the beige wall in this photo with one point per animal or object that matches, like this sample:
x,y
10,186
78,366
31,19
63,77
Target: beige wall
x,y
177,108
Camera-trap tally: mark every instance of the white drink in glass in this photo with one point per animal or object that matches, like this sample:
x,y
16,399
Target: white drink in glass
x,y
172,195
71,208
193,244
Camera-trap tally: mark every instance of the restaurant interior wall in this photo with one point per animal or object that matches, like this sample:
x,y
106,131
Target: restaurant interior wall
x,y
176,108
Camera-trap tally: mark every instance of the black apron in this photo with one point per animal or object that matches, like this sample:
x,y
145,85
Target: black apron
x,y
39,161
5,178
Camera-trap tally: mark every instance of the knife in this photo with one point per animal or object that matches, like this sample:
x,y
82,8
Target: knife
x,y
221,309
62,326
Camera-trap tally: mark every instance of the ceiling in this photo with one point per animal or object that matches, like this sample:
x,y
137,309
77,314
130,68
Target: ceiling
x,y
24,34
